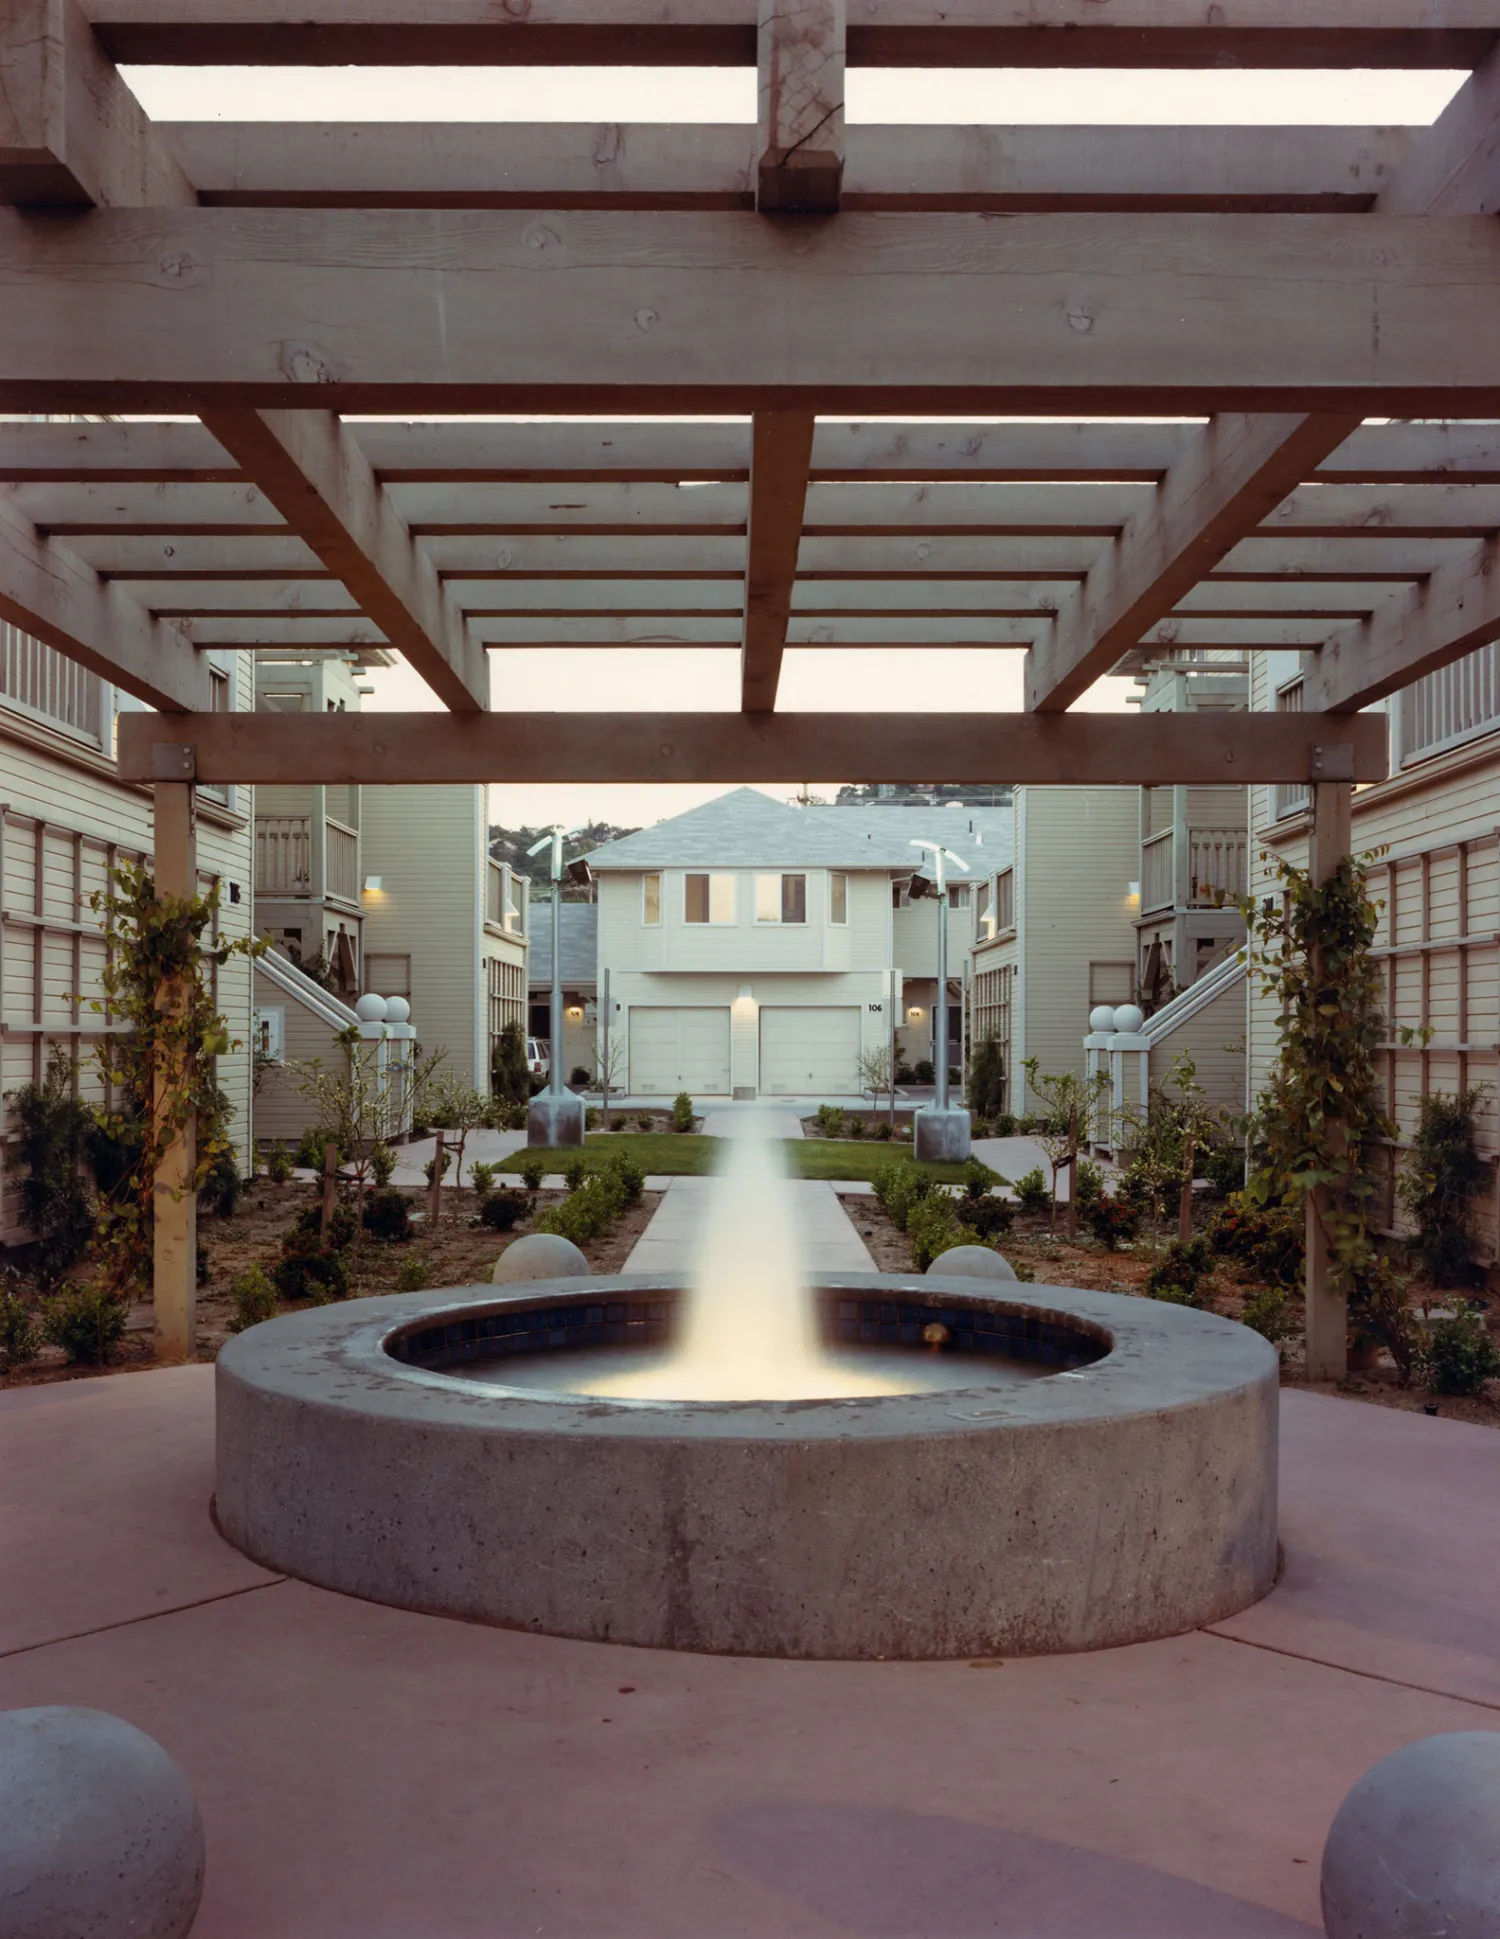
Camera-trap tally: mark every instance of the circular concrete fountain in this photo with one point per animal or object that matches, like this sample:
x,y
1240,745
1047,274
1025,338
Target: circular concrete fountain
x,y
1128,1493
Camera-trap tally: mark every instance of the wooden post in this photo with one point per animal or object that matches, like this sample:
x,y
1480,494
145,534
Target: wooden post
x,y
801,90
435,1197
1329,841
330,1183
174,1266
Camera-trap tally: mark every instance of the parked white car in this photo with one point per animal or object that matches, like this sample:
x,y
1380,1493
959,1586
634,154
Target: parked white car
x,y
538,1063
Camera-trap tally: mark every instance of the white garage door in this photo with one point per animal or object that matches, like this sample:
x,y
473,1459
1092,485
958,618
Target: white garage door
x,y
804,1053
679,1050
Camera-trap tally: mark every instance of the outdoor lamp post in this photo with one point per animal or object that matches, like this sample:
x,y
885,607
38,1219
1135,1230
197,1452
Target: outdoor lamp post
x,y
941,1130
555,1116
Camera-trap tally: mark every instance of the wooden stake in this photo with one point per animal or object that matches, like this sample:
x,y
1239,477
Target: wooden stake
x,y
435,1196
174,1272
330,1182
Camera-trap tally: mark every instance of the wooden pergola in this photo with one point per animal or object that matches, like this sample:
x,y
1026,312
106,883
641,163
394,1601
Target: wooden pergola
x,y
818,316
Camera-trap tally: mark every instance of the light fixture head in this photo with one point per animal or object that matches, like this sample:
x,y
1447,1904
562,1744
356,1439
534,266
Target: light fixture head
x,y
373,884
915,1013
580,872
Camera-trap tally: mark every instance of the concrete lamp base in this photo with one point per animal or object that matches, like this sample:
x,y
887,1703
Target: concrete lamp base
x,y
942,1136
553,1121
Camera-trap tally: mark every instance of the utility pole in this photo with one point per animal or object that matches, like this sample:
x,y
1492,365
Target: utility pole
x,y
555,1117
941,1131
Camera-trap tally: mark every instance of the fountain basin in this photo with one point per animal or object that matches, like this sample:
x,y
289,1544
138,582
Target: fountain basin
x,y
1129,1494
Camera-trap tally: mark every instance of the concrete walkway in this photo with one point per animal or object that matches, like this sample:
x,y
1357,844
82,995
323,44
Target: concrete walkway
x,y
830,1243
365,1773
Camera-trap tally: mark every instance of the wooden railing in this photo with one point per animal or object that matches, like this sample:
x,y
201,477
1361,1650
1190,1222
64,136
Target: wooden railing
x,y
342,862
1218,861
38,680
283,855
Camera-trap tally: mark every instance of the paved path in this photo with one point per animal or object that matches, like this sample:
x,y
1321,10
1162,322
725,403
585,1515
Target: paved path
x,y
365,1773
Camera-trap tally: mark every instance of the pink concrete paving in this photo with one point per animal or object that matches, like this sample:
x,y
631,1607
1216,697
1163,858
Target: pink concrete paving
x,y
377,1775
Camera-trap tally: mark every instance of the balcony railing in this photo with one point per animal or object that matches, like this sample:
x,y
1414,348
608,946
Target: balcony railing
x,y
1218,864
36,680
284,857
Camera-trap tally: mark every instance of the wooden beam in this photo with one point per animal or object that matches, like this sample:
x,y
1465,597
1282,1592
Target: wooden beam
x,y
433,747
40,451
1454,169
638,313
322,484
555,165
1455,612
799,137
587,629
72,134
280,635
1232,476
48,591
718,33
780,452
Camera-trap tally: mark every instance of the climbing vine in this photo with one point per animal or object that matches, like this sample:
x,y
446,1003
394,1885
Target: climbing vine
x,y
158,1062
1318,1111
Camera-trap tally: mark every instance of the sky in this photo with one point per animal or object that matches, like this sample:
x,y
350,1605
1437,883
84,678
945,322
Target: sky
x,y
706,680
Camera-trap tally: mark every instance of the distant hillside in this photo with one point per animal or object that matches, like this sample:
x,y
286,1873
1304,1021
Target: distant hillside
x,y
510,845
921,794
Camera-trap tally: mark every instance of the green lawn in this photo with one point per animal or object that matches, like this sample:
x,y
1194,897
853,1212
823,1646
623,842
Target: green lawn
x,y
673,1154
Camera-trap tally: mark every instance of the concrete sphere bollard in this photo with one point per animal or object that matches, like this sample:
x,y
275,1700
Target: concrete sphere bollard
x,y
99,1831
540,1255
971,1262
1415,1848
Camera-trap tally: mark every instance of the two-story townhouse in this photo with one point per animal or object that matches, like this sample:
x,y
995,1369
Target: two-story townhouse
x,y
753,947
66,823
1055,928
1431,832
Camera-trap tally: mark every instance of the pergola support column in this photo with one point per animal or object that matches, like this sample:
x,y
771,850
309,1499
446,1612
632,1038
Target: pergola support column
x,y
174,1276
1327,1317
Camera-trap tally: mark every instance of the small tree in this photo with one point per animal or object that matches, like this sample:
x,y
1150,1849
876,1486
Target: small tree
x,y
609,1074
875,1072
357,1106
1443,1172
457,1106
508,1075
987,1078
53,1131
1070,1101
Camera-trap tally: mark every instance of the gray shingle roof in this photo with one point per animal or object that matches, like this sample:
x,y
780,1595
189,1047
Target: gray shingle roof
x,y
747,829
578,923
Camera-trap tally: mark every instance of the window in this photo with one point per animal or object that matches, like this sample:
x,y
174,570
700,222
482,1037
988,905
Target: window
x,y
958,895
388,975
219,694
651,900
270,1035
838,898
984,922
780,898
1005,901
708,898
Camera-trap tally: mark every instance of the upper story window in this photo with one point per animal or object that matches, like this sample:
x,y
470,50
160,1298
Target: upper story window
x,y
708,898
780,898
984,921
958,895
838,898
1005,901
651,899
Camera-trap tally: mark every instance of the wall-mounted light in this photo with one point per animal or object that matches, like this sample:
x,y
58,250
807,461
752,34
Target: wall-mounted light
x,y
575,1011
747,995
915,1013
373,884
1132,891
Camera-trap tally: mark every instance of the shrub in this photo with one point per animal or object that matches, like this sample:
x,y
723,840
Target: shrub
x,y
482,1177
1223,1166
883,1130
925,1072
1459,1354
388,1215
341,1227
87,1322
219,1194
857,1127
254,1299
1031,1191
503,1209
988,1218
593,1117
588,1212
513,1117
533,1171
978,1178
310,1148
509,1079
1113,1221
1178,1275
308,1270
1380,1309
1005,1125
899,1187
904,1072
1271,1314
580,1077
278,1163
53,1134
1443,1172
644,1121
429,1167
933,1228
632,1179
903,1131
413,1274
830,1120
1267,1241
682,1112
1088,1183
20,1336
987,1077
575,1170
382,1166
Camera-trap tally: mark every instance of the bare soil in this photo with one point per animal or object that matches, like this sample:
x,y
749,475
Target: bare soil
x,y
1084,1262
460,1252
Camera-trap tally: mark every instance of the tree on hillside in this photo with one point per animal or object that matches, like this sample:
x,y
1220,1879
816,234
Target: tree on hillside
x,y
510,845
